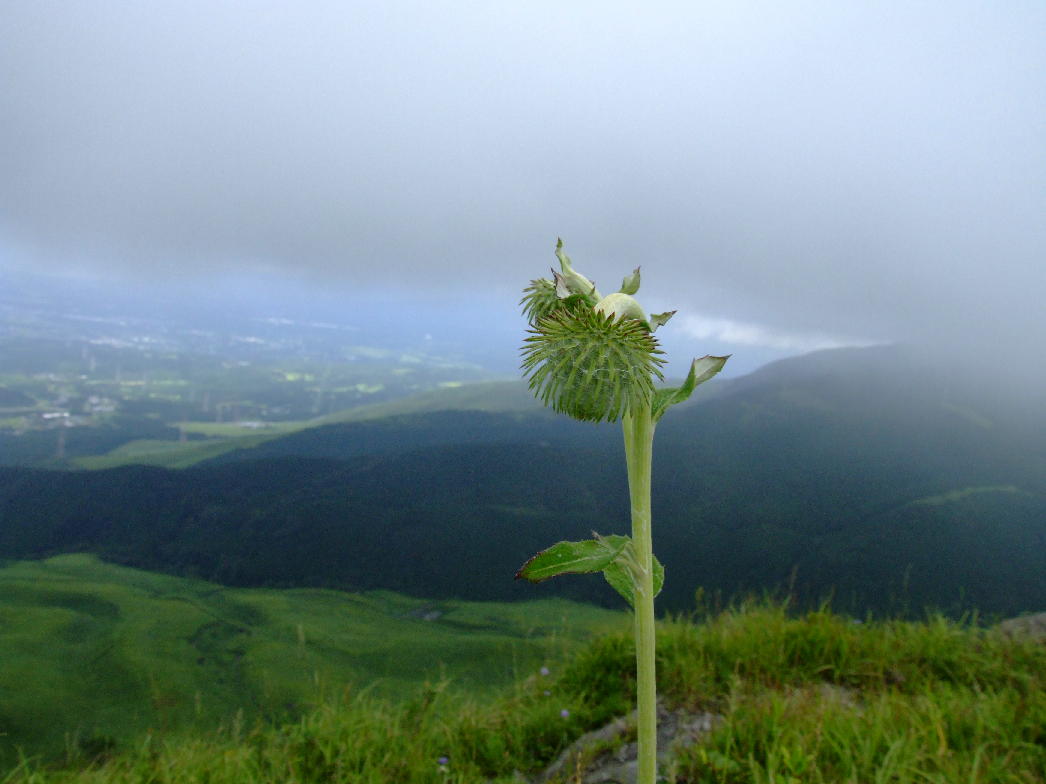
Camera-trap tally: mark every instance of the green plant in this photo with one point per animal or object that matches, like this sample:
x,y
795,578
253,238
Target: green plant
x,y
596,359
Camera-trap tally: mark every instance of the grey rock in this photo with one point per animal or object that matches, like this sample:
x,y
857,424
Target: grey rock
x,y
616,763
1033,626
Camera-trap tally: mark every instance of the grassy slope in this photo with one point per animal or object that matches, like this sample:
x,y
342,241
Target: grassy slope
x,y
500,396
495,396
108,652
171,454
490,396
816,699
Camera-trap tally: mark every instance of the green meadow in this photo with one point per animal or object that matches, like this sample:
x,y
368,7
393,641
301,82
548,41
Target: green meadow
x,y
94,656
812,698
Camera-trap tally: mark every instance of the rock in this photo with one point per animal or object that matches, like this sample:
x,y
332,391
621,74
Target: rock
x,y
604,757
1033,626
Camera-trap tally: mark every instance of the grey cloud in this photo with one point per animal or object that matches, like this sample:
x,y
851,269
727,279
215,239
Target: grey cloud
x,y
865,171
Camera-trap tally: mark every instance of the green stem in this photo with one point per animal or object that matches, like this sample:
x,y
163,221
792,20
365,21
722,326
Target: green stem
x,y
638,428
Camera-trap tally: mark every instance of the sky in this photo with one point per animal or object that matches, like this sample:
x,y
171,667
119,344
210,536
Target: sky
x,y
789,175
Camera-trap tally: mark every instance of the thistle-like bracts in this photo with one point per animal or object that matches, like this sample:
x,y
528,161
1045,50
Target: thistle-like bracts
x,y
586,355
590,365
593,357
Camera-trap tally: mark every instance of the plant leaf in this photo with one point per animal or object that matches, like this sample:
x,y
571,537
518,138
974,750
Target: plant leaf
x,y
700,371
591,555
660,319
572,281
562,289
659,575
619,575
630,285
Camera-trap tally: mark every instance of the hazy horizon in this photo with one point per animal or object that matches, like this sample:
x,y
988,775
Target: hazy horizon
x,y
789,177
484,331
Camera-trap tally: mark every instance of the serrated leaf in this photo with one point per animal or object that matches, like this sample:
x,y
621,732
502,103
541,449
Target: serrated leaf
x,y
619,575
630,285
700,371
660,319
659,575
590,555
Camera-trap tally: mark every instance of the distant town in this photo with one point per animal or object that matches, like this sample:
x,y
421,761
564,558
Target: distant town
x,y
65,369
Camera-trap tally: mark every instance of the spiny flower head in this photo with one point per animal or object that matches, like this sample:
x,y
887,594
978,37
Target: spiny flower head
x,y
589,356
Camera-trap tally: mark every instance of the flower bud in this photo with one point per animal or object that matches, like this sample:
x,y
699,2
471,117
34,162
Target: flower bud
x,y
620,306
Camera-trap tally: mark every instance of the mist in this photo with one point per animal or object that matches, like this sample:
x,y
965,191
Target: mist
x,y
790,176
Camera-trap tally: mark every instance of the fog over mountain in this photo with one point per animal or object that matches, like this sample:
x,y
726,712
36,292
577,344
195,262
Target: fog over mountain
x,y
790,175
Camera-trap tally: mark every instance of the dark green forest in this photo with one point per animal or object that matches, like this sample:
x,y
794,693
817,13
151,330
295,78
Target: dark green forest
x,y
861,476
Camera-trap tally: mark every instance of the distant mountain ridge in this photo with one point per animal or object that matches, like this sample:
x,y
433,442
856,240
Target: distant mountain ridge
x,y
411,432
490,396
871,475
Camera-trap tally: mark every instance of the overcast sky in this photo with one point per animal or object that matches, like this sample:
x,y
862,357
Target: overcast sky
x,y
789,175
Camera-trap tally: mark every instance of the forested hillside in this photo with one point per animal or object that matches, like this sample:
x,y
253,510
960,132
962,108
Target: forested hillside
x,y
857,474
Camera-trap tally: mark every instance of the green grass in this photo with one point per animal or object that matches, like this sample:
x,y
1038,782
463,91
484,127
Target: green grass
x,y
224,437
94,654
236,430
495,396
168,454
817,698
